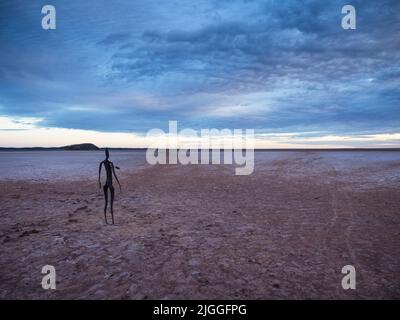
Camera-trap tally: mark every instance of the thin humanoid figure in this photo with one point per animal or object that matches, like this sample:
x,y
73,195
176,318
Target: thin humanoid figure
x,y
109,167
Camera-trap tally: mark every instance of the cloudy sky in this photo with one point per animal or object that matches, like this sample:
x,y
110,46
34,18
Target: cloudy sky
x,y
112,70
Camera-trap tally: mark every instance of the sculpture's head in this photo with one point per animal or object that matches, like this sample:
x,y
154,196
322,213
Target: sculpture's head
x,y
107,153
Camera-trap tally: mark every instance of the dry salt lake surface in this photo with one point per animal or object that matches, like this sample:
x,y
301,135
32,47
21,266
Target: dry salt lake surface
x,y
200,232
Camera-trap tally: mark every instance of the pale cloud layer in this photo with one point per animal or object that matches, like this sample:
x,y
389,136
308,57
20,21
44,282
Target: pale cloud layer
x,y
24,132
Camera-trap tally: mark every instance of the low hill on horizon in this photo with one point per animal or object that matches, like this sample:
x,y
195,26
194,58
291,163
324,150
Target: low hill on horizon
x,y
81,147
72,147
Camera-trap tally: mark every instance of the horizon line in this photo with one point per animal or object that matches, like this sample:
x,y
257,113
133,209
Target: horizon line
x,y
220,149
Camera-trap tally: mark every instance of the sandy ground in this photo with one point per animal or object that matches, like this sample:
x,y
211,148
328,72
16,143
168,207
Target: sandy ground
x,y
200,232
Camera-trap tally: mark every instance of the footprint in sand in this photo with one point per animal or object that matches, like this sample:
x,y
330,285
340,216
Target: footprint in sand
x,y
80,209
29,232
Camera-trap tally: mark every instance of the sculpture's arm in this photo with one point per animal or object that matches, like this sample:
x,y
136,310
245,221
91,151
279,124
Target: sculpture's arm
x,y
115,175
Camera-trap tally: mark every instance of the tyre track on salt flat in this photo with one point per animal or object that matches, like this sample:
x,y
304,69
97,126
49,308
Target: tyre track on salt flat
x,y
337,212
349,206
325,229
349,226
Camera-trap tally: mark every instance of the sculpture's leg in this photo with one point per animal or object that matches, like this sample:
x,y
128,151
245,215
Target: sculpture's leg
x,y
112,203
106,202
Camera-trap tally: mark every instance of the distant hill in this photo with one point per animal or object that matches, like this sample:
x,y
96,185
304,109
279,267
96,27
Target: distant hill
x,y
81,147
